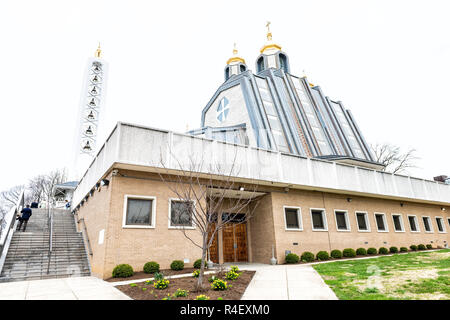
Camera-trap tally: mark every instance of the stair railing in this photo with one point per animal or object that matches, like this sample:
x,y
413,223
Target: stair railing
x,y
10,226
50,236
85,233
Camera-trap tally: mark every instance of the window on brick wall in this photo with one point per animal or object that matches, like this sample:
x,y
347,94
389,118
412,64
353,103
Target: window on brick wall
x,y
427,224
362,221
139,212
398,222
318,220
293,218
380,218
342,223
413,225
180,213
440,224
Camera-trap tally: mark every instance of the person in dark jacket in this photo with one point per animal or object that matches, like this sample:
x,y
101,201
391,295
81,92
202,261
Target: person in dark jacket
x,y
26,214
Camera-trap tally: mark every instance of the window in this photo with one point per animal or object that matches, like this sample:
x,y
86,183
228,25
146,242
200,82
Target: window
x,y
283,62
180,213
342,222
293,218
242,68
363,221
227,73
260,64
398,223
448,220
319,220
440,224
427,224
381,222
139,212
413,225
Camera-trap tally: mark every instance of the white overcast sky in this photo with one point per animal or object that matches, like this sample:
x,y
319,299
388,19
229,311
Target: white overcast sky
x,y
387,61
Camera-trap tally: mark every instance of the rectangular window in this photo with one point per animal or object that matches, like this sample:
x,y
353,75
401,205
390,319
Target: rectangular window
x,y
413,226
427,224
440,224
139,212
293,218
342,223
398,223
381,222
180,214
319,220
362,220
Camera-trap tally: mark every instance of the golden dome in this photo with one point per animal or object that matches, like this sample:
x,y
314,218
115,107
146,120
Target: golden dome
x,y
235,57
270,44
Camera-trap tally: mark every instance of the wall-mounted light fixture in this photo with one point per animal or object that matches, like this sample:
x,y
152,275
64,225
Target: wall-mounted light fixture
x,y
443,209
349,199
401,204
105,182
241,188
97,185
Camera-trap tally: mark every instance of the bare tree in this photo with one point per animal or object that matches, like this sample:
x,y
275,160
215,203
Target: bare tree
x,y
204,202
41,186
8,199
393,159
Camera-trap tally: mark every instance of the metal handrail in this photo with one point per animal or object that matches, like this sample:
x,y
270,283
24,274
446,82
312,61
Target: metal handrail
x,y
85,233
50,236
8,231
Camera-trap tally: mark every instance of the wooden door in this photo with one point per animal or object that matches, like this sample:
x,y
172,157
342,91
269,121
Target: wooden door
x,y
235,243
228,243
240,235
214,248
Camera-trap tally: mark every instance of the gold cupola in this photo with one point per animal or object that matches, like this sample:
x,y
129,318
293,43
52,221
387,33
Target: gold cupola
x,y
271,55
235,65
270,47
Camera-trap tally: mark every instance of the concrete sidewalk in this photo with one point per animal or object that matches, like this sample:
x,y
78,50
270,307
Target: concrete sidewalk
x,y
286,282
75,288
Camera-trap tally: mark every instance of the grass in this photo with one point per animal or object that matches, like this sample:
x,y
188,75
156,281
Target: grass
x,y
416,275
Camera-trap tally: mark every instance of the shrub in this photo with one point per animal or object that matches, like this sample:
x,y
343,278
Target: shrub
x,y
361,252
196,273
307,256
158,276
383,250
372,251
393,249
202,297
231,275
403,249
421,247
336,254
429,246
413,247
181,293
292,258
322,255
219,285
349,253
234,268
151,267
122,271
177,265
198,264
161,284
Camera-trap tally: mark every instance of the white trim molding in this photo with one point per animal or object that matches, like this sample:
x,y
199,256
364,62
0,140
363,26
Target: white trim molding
x,y
430,224
299,217
402,225
386,227
444,230
192,227
416,221
347,220
366,218
125,207
324,218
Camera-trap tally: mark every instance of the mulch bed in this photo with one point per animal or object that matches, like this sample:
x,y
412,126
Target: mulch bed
x,y
187,283
143,275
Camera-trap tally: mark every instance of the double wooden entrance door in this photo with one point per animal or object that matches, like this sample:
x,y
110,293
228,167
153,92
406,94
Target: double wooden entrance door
x,y
234,244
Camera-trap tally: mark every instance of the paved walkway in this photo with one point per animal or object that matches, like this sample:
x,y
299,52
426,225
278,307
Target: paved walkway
x,y
75,288
286,282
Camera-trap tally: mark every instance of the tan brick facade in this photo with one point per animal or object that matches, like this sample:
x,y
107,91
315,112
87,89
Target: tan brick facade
x,y
105,210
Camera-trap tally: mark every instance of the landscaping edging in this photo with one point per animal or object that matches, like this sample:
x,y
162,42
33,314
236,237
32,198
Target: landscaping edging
x,y
117,283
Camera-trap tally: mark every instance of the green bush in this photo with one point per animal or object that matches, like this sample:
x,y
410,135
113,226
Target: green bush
x,y
234,268
219,285
413,247
421,247
161,284
372,251
349,253
198,264
361,252
151,267
177,265
429,246
322,255
122,271
383,250
292,258
336,254
393,249
231,275
307,256
403,249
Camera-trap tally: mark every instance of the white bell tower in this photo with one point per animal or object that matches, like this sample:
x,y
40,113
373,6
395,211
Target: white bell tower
x,y
90,114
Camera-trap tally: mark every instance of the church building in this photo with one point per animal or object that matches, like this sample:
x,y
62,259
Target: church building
x,y
299,152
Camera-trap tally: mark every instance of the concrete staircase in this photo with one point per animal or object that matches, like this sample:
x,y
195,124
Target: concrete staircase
x,y
28,256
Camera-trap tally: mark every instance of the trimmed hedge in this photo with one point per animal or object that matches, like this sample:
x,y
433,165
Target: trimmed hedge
x,y
429,246
361,252
349,253
383,250
322,255
421,247
336,254
307,256
177,265
413,247
151,267
393,249
122,271
198,264
292,258
372,251
403,249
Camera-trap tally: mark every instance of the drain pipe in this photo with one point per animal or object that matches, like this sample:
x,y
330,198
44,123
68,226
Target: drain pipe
x,y
273,260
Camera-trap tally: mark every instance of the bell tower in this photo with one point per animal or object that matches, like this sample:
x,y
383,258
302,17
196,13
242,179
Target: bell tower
x,y
271,55
90,113
235,65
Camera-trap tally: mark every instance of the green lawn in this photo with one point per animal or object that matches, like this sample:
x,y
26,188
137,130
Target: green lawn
x,y
417,275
